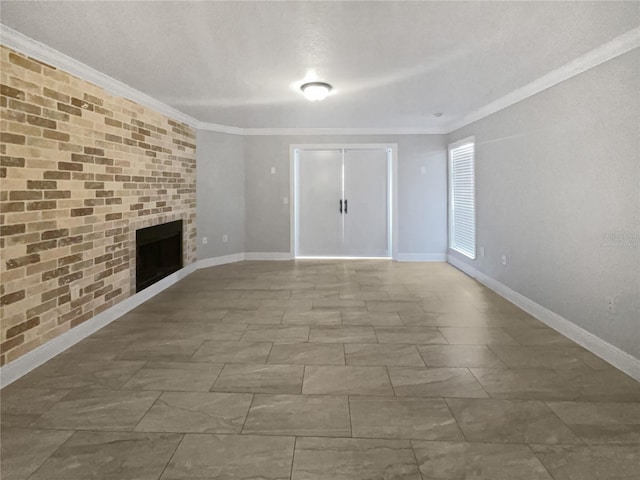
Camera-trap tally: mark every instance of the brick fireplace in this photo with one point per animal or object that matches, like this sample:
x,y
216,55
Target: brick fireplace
x,y
81,170
158,253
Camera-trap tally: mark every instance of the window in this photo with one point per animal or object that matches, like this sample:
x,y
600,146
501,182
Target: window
x,y
462,201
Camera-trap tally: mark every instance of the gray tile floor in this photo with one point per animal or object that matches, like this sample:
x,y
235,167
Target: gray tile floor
x,y
332,370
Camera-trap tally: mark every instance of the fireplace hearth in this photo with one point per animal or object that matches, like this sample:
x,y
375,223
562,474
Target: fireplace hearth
x,y
158,253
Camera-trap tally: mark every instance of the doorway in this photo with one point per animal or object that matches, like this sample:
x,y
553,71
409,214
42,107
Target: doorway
x,y
343,201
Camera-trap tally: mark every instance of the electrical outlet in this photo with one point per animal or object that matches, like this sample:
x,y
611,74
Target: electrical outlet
x,y
225,238
204,240
273,170
285,200
423,170
611,304
504,259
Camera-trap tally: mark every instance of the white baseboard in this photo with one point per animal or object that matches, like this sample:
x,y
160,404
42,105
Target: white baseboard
x,y
214,261
610,353
463,267
12,371
421,257
268,256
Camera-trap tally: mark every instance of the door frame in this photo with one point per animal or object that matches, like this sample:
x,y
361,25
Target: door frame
x,y
392,189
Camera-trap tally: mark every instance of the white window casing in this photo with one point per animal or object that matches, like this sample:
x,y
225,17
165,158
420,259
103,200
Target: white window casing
x,y
462,201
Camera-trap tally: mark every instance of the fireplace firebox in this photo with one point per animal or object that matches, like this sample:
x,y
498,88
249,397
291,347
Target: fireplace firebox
x,y
158,253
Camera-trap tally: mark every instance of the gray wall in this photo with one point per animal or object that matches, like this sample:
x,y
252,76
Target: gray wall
x,y
220,193
557,175
422,199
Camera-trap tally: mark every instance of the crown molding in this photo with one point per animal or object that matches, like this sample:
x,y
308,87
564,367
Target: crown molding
x,y
28,46
39,51
343,131
214,127
612,49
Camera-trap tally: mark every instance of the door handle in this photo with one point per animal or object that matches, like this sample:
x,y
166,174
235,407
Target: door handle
x,y
345,205
340,206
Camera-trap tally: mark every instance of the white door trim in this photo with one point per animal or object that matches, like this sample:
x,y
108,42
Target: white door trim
x,y
392,149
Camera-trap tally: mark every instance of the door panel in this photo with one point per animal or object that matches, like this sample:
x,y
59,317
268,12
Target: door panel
x,y
320,189
365,191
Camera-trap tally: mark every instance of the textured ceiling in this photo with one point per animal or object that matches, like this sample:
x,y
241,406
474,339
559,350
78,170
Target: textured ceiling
x,y
392,64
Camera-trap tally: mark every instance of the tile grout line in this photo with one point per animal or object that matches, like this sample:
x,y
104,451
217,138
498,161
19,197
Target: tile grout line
x,y
455,419
350,420
553,412
246,417
271,435
293,456
304,375
53,452
224,365
479,382
415,456
266,361
160,393
217,375
422,358
540,460
172,455
386,368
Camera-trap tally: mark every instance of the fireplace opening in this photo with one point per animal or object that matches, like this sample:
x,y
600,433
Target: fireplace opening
x,y
158,253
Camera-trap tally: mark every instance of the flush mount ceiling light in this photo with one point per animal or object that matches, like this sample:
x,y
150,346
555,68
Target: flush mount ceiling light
x,y
316,91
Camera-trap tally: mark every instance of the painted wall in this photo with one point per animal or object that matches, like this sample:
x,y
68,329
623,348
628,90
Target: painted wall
x,y
558,193
422,199
220,193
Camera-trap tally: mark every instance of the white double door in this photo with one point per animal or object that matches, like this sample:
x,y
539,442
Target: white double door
x,y
343,203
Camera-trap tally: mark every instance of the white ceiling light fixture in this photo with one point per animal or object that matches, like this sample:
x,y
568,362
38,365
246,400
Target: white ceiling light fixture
x,y
316,91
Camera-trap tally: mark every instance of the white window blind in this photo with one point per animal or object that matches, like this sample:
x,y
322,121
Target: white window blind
x,y
462,203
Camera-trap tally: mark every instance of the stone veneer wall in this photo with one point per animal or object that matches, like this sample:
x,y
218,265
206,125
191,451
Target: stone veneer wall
x,y
80,171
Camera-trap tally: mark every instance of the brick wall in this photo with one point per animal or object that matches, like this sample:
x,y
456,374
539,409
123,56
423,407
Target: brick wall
x,y
80,171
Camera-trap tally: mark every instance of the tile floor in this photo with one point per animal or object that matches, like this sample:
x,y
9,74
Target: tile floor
x,y
332,370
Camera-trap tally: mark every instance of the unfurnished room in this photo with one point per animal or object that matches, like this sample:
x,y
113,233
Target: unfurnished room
x,y
320,240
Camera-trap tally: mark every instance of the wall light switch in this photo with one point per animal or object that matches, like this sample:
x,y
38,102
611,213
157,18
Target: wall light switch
x,y
225,238
204,240
273,170
504,259
423,170
285,200
482,251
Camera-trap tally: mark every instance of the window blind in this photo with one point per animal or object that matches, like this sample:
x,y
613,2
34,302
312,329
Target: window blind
x,y
462,208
